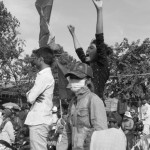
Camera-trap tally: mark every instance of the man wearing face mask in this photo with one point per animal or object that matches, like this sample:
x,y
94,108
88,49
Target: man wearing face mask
x,y
96,55
86,111
40,97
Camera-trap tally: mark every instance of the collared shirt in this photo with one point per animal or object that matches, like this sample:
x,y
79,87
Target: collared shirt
x,y
86,114
40,112
85,102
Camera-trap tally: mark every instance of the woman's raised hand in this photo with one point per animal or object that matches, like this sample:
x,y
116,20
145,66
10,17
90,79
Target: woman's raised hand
x,y
71,29
98,4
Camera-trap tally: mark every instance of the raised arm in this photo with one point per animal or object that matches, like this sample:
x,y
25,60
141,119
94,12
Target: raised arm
x,y
77,46
75,40
99,25
100,45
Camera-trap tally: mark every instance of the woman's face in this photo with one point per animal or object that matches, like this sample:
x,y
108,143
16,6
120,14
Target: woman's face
x,y
91,52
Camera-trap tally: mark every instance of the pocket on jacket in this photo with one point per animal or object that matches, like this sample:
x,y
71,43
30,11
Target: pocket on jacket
x,y
83,117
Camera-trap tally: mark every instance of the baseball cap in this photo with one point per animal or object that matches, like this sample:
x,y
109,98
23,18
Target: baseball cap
x,y
128,114
81,70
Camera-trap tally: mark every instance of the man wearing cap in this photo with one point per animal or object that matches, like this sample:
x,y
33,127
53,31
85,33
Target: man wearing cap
x,y
127,126
86,111
127,123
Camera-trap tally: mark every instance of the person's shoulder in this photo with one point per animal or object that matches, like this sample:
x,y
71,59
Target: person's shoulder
x,y
8,124
95,97
47,75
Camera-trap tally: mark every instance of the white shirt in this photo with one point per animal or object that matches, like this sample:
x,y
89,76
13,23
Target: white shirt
x,y
146,113
1,118
40,112
8,133
108,139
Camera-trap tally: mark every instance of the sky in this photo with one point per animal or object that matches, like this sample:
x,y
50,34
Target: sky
x,y
121,18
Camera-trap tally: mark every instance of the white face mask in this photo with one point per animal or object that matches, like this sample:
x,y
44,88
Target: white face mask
x,y
75,84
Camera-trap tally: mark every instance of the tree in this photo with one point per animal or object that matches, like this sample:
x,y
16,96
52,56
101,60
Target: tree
x,y
130,72
13,66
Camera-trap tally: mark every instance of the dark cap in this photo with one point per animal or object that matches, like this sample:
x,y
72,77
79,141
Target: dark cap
x,y
81,70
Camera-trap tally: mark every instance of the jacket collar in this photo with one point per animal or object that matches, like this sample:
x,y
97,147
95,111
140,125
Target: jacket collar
x,y
84,90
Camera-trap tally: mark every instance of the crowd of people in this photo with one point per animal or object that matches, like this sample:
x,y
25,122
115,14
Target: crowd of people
x,y
86,124
12,128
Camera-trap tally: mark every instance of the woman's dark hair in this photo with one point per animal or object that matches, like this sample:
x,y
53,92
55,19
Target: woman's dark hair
x,y
46,53
90,84
109,50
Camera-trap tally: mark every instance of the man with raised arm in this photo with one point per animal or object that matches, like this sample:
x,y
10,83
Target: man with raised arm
x,y
96,54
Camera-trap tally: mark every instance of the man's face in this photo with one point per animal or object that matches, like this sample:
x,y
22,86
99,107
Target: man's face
x,y
112,124
35,60
91,52
75,83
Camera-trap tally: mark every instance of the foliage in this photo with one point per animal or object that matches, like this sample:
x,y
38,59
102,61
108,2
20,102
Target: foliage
x,y
64,59
13,66
127,63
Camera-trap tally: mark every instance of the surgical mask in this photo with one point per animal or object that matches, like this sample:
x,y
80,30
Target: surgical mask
x,y
75,84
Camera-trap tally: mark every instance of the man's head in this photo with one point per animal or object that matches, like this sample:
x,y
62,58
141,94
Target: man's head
x,y
132,111
144,102
7,113
113,122
79,76
42,56
127,115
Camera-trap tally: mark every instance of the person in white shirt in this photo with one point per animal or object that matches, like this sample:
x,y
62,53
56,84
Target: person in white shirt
x,y
40,96
145,109
1,117
7,132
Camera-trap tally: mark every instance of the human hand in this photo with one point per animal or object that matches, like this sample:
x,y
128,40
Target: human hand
x,y
98,4
71,29
40,98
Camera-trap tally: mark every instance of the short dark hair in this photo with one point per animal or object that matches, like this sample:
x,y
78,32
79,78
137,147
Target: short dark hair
x,y
46,53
